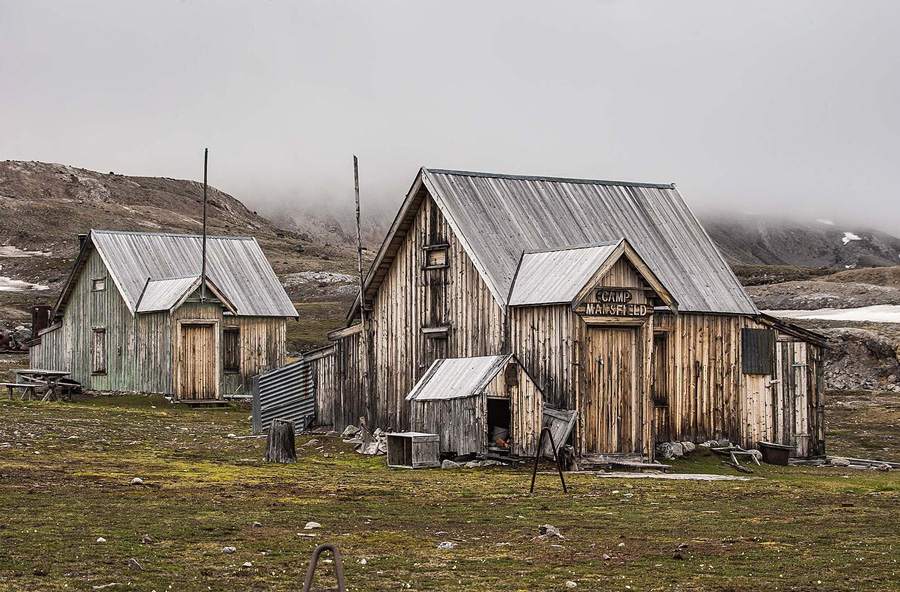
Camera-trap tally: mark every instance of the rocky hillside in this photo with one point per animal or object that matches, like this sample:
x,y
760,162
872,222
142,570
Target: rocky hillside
x,y
747,239
43,207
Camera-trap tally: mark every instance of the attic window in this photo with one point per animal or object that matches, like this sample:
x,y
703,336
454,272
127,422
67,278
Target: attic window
x,y
98,284
437,256
757,351
436,332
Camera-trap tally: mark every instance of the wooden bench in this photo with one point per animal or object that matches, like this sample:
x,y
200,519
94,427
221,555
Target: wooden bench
x,y
28,389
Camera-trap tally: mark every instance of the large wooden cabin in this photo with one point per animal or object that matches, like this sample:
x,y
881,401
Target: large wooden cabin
x,y
135,315
611,297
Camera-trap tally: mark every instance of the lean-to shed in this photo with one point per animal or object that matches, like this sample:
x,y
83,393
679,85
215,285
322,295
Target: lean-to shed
x,y
135,315
477,405
610,295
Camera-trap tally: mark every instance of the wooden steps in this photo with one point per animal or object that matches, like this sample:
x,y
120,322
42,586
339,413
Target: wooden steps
x,y
203,403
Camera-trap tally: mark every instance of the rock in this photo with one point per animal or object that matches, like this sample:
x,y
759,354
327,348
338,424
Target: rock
x,y
363,561
228,550
449,464
247,564
133,564
756,453
349,431
256,525
838,461
571,584
310,442
665,450
723,444
312,525
474,464
146,540
606,557
446,545
137,481
549,531
101,540
882,467
689,447
677,449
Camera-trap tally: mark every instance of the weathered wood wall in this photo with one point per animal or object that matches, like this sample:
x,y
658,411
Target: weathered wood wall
x,y
322,366
705,394
140,349
410,299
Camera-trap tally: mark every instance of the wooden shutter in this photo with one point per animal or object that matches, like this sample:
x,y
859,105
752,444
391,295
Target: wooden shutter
x,y
757,351
98,351
231,338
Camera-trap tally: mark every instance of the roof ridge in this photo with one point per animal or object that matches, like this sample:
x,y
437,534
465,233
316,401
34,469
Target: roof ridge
x,y
171,234
549,179
608,243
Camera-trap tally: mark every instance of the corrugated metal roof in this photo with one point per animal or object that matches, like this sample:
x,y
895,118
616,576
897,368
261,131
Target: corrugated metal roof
x,y
163,294
550,277
236,265
498,217
455,378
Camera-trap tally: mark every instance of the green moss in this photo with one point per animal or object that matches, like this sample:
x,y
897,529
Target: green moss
x,y
789,529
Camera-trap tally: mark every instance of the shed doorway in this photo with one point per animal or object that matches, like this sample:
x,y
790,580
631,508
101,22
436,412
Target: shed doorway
x,y
612,403
198,362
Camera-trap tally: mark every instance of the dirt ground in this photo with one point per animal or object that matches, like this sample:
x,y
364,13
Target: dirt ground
x,y
66,469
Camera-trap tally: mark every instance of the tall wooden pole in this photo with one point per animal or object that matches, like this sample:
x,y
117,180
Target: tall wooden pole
x,y
362,294
203,264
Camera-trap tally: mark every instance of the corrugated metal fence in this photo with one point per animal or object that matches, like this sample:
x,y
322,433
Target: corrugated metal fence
x,y
285,393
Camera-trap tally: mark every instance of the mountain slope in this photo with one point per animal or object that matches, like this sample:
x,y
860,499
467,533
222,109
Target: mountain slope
x,y
747,239
43,207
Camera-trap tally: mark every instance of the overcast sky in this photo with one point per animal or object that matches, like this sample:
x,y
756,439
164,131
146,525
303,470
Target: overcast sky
x,y
754,105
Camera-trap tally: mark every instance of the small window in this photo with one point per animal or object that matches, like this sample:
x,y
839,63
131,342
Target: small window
x,y
437,257
98,284
757,351
231,338
98,351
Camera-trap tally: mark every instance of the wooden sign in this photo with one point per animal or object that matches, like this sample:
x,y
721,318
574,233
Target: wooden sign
x,y
617,302
616,310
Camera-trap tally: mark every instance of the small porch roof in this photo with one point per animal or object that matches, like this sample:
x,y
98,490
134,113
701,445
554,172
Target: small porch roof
x,y
457,378
561,276
167,294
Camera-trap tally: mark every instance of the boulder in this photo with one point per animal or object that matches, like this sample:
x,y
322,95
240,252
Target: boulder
x,y
689,447
449,464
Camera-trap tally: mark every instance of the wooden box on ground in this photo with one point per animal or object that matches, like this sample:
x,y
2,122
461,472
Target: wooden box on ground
x,y
413,450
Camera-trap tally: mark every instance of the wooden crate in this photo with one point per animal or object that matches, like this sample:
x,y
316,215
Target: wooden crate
x,y
413,450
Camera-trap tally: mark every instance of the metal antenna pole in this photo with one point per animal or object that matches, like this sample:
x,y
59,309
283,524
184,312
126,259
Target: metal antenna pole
x,y
203,264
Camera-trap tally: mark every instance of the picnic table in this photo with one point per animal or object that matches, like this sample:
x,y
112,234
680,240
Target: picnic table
x,y
41,378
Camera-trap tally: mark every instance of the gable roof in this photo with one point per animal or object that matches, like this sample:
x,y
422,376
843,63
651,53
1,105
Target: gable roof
x,y
456,378
498,217
169,293
556,276
564,276
234,265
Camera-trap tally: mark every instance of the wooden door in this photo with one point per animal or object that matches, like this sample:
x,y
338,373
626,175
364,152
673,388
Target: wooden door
x,y
660,388
197,362
612,406
791,396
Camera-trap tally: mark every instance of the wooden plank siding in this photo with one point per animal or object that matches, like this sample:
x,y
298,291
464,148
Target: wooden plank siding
x,y
140,349
695,372
412,298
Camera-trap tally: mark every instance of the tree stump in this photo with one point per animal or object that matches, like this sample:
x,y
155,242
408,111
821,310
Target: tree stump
x,y
280,443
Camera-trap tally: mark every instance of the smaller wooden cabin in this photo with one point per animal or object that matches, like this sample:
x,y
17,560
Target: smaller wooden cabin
x,y
477,405
135,315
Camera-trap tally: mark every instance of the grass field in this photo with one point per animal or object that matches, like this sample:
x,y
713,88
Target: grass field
x,y
65,473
